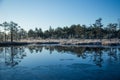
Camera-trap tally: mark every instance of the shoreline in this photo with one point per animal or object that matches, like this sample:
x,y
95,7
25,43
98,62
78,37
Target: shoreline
x,y
103,42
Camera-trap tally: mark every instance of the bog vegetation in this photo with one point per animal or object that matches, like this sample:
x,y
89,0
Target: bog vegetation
x,y
11,31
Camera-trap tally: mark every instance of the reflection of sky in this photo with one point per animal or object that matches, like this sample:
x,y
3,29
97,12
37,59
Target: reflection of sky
x,y
45,58
62,65
61,58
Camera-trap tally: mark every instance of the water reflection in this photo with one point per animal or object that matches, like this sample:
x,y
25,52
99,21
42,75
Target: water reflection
x,y
37,49
96,53
12,56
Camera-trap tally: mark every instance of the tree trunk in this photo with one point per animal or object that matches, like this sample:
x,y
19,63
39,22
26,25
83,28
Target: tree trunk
x,y
11,35
5,34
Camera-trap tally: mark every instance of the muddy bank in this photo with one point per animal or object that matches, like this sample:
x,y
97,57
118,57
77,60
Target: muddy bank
x,y
13,43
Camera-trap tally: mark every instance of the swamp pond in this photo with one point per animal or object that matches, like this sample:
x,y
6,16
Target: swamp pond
x,y
55,62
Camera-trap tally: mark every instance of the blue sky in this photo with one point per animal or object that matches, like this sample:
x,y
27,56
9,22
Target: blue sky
x,y
58,13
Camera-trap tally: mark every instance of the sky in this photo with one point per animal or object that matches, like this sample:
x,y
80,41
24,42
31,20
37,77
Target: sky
x,y
58,13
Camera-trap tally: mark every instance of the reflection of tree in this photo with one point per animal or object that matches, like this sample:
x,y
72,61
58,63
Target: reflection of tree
x,y
35,48
10,61
1,49
82,52
93,53
50,48
74,50
13,55
112,52
119,54
98,57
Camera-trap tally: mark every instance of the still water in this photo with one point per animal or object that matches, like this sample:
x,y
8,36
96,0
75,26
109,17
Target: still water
x,y
54,62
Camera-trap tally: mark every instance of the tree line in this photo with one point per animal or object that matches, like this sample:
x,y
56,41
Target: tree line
x,y
13,32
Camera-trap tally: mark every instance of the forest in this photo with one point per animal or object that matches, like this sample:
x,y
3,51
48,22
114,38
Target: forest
x,y
11,31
